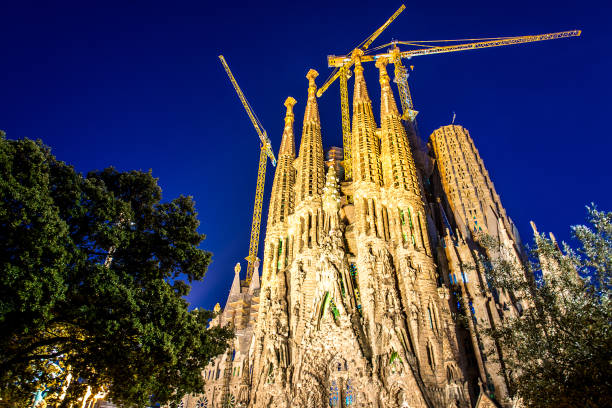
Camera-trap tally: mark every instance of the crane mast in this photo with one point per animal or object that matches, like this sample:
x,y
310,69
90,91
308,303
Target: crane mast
x,y
401,79
264,153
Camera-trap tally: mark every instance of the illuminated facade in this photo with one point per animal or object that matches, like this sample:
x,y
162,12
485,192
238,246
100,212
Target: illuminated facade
x,y
362,280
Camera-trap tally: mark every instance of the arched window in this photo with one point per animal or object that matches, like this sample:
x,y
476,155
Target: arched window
x,y
432,313
309,229
430,355
333,394
271,370
349,397
449,374
431,325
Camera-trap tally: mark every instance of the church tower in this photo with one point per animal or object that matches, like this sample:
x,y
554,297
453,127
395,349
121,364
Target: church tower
x,y
281,201
467,184
474,210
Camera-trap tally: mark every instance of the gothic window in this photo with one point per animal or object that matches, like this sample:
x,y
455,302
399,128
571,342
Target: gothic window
x,y
375,219
333,394
410,217
430,356
270,373
309,230
280,253
349,397
473,312
386,223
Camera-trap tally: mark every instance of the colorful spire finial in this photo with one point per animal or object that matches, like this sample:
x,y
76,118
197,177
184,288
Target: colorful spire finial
x,y
312,86
289,104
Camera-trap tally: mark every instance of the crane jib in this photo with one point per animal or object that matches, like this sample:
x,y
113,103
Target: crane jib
x,y
338,61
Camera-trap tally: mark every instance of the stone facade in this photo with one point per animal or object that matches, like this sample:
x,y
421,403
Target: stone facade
x,y
227,376
362,280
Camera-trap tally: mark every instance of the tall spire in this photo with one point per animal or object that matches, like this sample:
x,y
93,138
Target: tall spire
x,y
281,201
397,162
387,100
288,142
235,289
361,90
312,109
365,164
310,168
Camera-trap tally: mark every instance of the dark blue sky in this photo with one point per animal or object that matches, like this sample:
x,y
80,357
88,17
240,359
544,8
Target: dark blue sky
x,y
138,85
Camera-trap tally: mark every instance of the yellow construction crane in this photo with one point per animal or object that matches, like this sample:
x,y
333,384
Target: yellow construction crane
x,y
343,72
394,55
265,152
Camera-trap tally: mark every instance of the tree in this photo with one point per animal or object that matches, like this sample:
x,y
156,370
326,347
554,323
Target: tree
x,y
559,351
94,270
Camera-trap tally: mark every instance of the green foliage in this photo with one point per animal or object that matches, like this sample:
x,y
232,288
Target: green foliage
x,y
93,274
559,351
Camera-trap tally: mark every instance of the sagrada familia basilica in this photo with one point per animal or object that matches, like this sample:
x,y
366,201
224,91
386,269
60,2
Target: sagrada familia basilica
x,y
370,292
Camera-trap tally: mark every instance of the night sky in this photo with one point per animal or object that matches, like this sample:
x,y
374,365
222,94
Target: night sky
x,y
138,85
